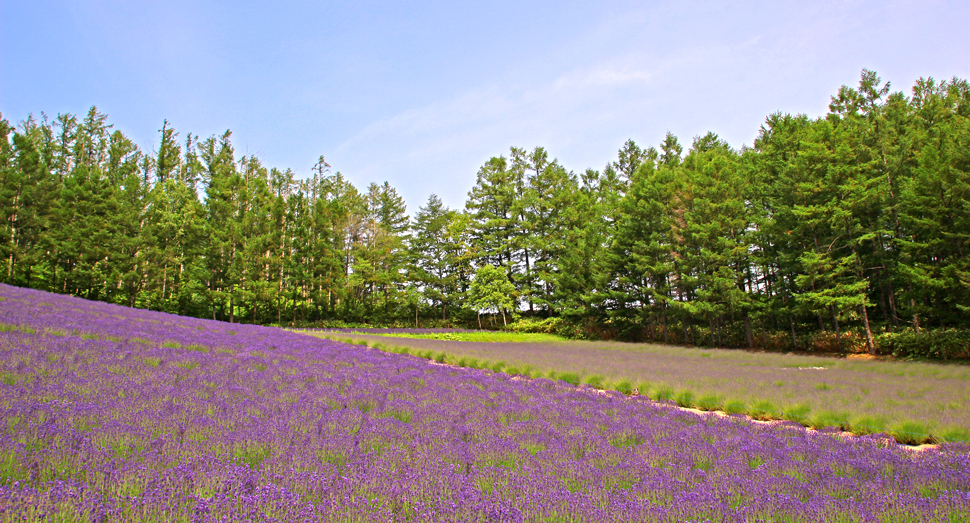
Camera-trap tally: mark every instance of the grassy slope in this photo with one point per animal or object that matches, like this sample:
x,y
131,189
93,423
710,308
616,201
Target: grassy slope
x,y
915,402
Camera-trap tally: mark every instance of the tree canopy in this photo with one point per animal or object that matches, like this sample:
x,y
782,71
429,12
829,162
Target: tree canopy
x,y
853,223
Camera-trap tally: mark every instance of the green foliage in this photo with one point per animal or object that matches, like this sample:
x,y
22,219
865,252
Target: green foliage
x,y
571,378
400,415
826,419
251,455
661,393
797,413
826,235
869,425
558,326
764,410
708,402
491,290
956,434
684,398
939,344
624,387
911,433
735,407
626,439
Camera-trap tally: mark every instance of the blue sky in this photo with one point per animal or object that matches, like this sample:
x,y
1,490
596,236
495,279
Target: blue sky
x,y
421,94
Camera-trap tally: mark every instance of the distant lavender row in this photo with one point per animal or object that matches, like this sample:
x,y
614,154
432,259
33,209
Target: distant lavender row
x,y
112,414
395,331
919,398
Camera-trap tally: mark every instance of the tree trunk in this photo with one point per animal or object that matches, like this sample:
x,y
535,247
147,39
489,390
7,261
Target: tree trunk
x,y
666,333
912,304
870,343
720,342
747,330
528,277
838,332
794,340
710,328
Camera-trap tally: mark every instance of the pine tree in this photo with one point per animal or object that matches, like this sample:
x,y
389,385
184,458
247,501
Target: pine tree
x,y
493,205
548,195
431,258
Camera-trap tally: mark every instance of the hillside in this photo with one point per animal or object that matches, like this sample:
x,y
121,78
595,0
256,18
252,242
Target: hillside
x,y
115,414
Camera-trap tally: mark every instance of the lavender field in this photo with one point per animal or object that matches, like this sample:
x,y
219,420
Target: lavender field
x,y
916,402
112,414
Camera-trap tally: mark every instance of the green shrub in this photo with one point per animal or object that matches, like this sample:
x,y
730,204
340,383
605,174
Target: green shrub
x,y
939,344
957,434
557,326
839,420
735,407
827,341
911,433
660,393
684,398
643,389
868,425
763,410
624,387
569,377
796,413
709,402
532,325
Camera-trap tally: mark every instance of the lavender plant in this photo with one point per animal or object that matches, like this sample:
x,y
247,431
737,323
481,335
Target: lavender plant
x,y
113,414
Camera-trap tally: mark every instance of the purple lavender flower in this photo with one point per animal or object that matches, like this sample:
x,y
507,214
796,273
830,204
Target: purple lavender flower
x,y
113,414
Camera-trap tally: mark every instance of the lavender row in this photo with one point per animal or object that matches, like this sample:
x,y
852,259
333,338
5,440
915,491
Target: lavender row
x,y
113,414
915,401
394,330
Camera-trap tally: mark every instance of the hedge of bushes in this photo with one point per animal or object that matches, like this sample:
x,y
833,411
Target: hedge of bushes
x,y
553,325
940,344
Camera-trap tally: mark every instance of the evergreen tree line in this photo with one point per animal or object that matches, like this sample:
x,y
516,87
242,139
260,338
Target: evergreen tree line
x,y
826,230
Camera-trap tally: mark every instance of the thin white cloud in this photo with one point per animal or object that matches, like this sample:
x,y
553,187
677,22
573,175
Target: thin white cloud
x,y
584,113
